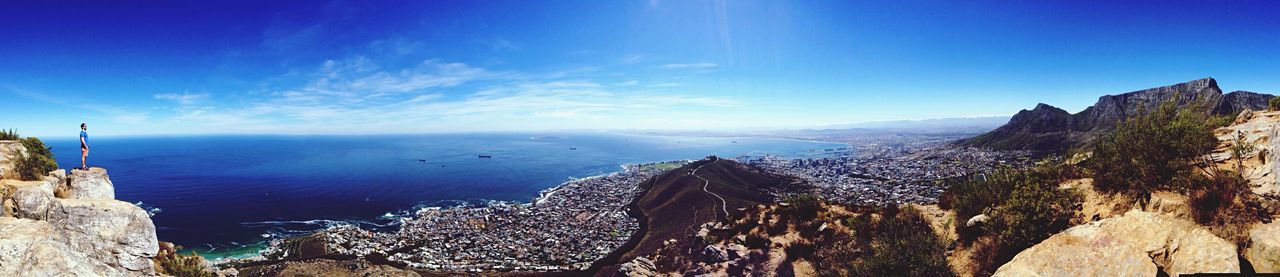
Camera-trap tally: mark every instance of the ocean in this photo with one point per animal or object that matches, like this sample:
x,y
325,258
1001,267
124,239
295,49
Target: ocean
x,y
226,195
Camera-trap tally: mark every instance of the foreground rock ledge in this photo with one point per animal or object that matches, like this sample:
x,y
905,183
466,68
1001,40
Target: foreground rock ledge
x,y
1136,244
1264,251
71,226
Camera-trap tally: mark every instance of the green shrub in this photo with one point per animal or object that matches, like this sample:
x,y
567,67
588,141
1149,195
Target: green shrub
x,y
169,262
905,245
37,162
982,195
1033,212
802,207
1273,104
10,134
1151,151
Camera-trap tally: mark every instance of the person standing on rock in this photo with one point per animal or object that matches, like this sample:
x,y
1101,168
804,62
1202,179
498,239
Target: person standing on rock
x,y
84,145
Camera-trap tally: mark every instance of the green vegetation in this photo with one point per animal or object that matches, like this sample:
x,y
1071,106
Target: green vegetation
x,y
987,195
1152,151
1035,210
10,134
1273,104
661,166
801,207
1024,207
1223,201
904,245
37,162
169,262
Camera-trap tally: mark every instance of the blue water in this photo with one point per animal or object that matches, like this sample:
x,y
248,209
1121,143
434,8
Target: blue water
x,y
218,192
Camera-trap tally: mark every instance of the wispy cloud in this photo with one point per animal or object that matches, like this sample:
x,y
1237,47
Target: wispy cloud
x,y
690,65
356,94
182,98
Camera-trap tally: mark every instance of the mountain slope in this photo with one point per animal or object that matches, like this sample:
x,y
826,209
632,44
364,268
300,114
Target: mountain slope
x,y
674,204
1050,129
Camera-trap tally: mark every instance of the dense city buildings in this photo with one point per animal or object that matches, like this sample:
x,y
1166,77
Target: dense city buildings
x,y
895,175
566,228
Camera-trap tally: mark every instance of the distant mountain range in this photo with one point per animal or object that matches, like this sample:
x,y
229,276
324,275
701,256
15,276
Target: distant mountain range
x,y
1050,129
952,124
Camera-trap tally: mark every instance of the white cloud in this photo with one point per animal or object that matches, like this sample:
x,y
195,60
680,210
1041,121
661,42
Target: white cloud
x,y
357,95
182,98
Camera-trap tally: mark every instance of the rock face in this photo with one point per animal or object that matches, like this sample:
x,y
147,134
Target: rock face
x,y
1135,244
90,184
1264,250
1050,129
27,249
83,233
115,232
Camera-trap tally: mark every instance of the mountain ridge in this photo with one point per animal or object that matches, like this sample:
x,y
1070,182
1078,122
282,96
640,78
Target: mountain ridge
x,y
1049,129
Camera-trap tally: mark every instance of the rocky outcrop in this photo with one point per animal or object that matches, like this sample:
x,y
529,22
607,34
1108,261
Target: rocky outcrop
x,y
72,226
638,267
26,249
1135,244
1264,249
33,199
9,150
90,184
1237,101
115,232
1049,129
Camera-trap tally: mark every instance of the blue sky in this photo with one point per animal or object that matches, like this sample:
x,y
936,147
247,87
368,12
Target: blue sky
x,y
369,67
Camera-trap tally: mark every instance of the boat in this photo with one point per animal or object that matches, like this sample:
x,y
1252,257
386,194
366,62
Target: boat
x,y
485,156
422,160
573,148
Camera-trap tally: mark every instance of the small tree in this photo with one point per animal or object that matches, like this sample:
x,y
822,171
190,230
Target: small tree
x,y
1273,104
1153,150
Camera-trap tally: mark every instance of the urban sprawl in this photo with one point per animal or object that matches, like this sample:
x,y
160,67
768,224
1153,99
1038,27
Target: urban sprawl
x,y
570,226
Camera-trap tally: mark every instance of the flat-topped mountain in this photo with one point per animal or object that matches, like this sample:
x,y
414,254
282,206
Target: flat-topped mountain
x,y
1050,129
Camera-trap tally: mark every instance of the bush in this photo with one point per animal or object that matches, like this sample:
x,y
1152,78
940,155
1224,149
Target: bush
x,y
905,245
978,196
1151,151
169,262
803,207
37,162
1273,104
10,134
757,241
1033,212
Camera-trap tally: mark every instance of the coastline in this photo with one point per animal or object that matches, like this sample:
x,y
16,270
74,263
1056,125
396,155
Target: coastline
x,y
254,250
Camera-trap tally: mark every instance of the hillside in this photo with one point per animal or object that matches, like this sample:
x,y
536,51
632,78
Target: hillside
x,y
1050,129
674,204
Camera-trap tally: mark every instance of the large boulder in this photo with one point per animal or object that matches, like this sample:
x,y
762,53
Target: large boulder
x,y
1138,243
32,199
90,184
1264,250
26,249
113,232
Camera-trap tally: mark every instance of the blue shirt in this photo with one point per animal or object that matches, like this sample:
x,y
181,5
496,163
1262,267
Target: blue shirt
x,y
84,137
